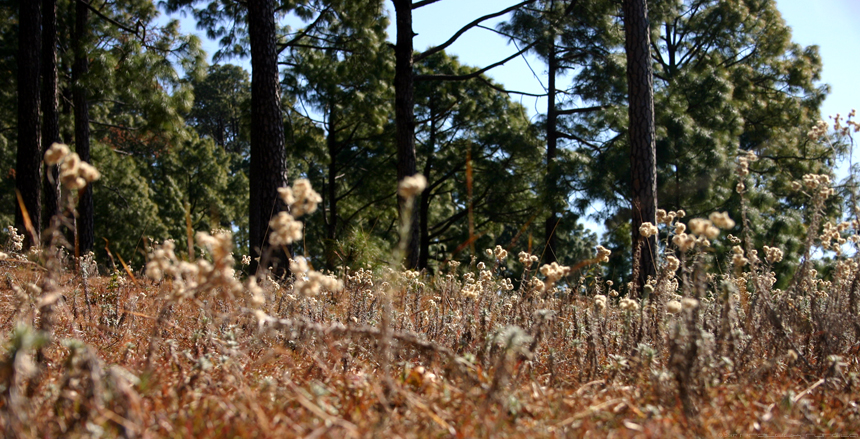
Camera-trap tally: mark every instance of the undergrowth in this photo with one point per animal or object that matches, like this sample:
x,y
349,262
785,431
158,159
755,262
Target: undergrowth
x,y
197,349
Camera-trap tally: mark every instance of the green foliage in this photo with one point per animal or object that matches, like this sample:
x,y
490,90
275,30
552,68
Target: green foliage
x,y
222,102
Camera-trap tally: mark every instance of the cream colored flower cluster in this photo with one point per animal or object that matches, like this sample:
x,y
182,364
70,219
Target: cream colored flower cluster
x,y
672,264
75,174
603,254
772,254
813,182
738,259
309,282
16,240
600,301
818,130
744,161
554,272
831,236
498,253
701,231
527,259
664,217
647,229
302,200
412,186
190,278
627,304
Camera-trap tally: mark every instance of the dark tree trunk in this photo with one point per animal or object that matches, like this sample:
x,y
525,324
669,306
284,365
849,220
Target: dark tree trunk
x,y
424,210
82,126
267,130
642,142
28,175
331,193
405,118
552,194
50,112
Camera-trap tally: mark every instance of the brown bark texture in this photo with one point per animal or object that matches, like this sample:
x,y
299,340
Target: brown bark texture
x,y
404,100
28,175
80,68
267,131
552,220
643,161
50,109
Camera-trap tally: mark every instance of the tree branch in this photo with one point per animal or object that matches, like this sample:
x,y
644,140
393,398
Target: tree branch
x,y
503,90
473,74
465,28
112,21
303,32
422,3
581,110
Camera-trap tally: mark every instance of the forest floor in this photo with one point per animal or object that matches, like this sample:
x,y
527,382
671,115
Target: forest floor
x,y
126,357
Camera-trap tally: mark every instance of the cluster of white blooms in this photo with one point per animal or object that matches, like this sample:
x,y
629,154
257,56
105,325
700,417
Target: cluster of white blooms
x,y
16,240
772,254
302,200
722,220
744,169
554,272
603,254
647,229
673,307
683,241
833,232
738,259
507,285
499,253
527,259
672,264
200,275
309,282
411,186
628,304
744,163
702,227
600,302
667,218
689,303
818,131
75,174
820,182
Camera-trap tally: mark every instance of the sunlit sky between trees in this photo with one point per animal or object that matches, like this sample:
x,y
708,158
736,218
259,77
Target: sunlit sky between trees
x,y
833,25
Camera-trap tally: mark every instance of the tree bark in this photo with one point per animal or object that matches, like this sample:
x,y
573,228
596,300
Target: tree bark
x,y
50,109
404,112
331,191
640,83
267,132
82,126
552,220
28,167
424,210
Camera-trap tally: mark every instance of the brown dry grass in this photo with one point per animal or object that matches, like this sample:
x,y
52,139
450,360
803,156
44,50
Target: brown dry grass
x,y
144,366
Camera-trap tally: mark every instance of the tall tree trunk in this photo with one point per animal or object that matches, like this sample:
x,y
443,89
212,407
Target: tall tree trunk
x,y
50,112
424,210
551,166
643,161
404,112
28,175
267,130
331,192
82,126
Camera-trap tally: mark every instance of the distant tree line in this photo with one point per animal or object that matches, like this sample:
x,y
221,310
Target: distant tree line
x,y
648,104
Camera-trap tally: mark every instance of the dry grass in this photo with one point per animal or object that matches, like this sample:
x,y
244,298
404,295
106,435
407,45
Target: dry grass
x,y
135,363
194,351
